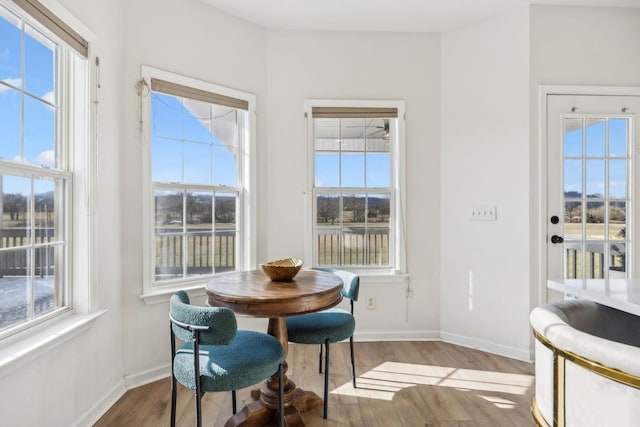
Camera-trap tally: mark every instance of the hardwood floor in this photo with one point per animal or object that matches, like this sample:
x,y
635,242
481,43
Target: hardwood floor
x,y
412,384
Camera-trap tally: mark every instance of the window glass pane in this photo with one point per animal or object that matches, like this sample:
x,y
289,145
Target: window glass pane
x,y
225,171
45,210
169,209
168,256
378,228
197,120
224,125
200,233
166,116
595,137
15,301
618,179
352,170
166,160
618,137
226,232
617,220
327,170
595,178
39,65
168,234
378,170
573,137
328,226
595,220
573,178
10,123
39,133
15,205
353,232
573,219
198,158
10,50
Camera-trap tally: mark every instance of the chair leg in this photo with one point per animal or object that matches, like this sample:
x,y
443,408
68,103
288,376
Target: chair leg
x,y
326,379
353,362
320,358
233,402
281,396
173,400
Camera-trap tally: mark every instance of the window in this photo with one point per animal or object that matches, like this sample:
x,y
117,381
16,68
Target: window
x,y
356,206
43,123
198,165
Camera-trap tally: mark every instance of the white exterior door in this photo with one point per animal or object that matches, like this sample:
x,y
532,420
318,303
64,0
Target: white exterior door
x,y
591,193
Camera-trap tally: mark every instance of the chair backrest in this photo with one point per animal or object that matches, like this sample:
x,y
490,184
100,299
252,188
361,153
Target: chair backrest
x,y
350,282
221,321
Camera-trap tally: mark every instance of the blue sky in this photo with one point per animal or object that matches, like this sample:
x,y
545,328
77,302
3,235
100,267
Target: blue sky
x,y
38,117
596,158
184,149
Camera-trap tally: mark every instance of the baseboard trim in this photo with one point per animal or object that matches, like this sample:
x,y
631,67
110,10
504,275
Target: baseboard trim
x,y
148,376
98,410
488,346
396,336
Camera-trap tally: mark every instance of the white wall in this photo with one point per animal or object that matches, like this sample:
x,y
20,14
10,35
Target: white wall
x,y
185,37
312,65
60,386
576,46
485,161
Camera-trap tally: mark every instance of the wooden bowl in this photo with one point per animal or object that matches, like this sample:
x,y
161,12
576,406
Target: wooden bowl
x,y
282,270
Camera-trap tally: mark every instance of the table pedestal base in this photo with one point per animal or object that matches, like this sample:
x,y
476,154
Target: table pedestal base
x,y
264,411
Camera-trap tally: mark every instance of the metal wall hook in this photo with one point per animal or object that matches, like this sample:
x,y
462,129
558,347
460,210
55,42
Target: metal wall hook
x,y
573,109
624,109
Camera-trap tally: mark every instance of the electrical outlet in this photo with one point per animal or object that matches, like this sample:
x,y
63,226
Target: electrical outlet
x,y
371,303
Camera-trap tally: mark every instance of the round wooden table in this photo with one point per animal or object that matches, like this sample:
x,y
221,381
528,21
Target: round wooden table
x,y
252,293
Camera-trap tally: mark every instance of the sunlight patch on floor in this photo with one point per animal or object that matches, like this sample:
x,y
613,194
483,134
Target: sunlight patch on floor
x,y
388,378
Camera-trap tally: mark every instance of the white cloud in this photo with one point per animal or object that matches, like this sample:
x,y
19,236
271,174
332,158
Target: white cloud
x,y
15,82
46,158
50,97
18,159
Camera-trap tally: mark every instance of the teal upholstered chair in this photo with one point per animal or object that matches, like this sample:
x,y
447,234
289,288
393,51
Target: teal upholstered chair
x,y
329,326
227,359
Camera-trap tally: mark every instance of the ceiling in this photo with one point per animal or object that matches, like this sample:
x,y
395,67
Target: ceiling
x,y
431,16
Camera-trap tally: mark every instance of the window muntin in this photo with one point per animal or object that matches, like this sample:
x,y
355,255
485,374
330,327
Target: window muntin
x,y
354,198
35,177
198,182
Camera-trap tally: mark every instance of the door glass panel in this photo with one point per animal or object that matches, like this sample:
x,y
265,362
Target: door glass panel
x,y
595,178
595,137
617,179
572,219
618,130
573,178
595,220
594,261
573,137
596,195
617,220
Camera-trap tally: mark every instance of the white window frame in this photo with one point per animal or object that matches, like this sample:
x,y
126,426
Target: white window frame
x,y
397,255
155,293
75,129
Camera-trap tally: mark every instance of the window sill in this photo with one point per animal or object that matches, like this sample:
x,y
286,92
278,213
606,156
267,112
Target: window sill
x,y
384,278
31,344
160,296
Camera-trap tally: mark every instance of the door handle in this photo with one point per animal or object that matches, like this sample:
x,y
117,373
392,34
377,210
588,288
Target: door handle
x,y
557,239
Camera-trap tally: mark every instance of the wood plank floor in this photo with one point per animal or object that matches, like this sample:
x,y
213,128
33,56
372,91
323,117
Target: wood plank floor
x,y
412,384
